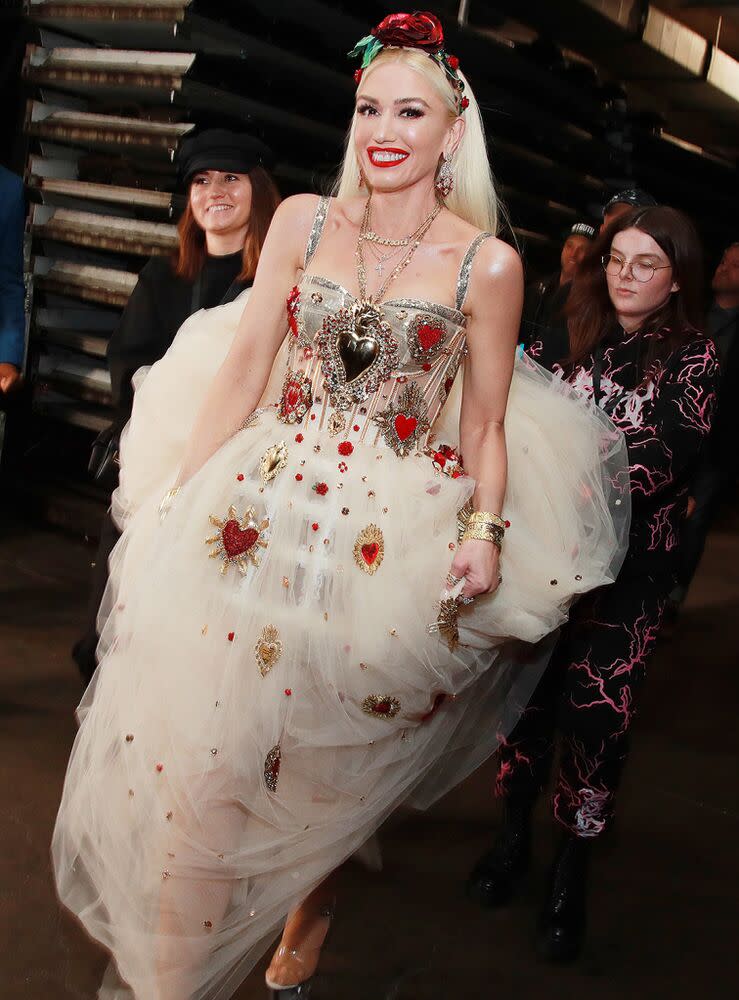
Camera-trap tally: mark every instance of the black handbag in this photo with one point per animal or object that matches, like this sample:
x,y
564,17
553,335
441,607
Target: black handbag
x,y
104,458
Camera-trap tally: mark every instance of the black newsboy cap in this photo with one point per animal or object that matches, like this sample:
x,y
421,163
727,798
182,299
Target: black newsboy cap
x,y
220,149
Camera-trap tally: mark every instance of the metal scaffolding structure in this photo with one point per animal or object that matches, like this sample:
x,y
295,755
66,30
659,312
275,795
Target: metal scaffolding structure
x,y
114,85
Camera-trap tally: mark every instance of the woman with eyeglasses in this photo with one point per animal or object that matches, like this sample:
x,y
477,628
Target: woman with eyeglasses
x,y
637,348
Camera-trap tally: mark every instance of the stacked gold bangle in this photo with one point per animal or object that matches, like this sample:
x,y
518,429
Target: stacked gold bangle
x,y
486,527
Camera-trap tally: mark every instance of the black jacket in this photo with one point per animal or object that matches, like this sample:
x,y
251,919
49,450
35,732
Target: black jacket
x,y
159,305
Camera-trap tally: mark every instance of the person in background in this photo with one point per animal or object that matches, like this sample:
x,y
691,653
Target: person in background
x,y
719,464
624,202
231,201
637,349
12,313
543,324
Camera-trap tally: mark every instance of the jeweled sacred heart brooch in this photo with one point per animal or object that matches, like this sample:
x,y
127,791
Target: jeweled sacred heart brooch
x,y
358,353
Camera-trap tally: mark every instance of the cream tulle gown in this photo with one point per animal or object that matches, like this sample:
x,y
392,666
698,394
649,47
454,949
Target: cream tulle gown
x,y
269,690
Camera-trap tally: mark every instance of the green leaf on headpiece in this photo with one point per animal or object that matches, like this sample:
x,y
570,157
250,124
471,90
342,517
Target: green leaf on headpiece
x,y
367,47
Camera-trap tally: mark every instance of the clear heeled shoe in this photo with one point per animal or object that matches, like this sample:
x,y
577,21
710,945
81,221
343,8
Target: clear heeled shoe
x,y
313,943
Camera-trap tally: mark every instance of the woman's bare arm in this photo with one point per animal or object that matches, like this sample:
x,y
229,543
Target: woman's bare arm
x,y
241,380
494,301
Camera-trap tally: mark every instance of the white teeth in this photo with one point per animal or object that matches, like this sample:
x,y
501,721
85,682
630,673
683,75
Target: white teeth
x,y
388,157
220,208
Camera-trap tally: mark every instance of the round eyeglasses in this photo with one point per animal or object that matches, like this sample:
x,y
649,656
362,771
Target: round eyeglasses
x,y
613,264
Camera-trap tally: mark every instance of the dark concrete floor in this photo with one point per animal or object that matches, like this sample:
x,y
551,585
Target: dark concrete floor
x,y
664,913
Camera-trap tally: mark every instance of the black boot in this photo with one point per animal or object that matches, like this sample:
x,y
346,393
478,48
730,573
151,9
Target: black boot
x,y
494,878
563,919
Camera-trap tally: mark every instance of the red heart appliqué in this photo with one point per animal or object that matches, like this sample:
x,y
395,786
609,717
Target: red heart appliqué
x,y
405,426
369,552
237,540
429,336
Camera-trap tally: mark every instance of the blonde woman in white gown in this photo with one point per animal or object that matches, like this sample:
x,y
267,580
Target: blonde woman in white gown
x,y
270,688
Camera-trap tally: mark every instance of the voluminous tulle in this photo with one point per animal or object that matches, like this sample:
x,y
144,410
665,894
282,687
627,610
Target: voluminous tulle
x,y
246,733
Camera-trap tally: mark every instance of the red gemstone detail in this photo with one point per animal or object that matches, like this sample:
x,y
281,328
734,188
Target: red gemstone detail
x,y
405,426
293,300
508,524
454,62
383,707
299,476
429,336
292,395
356,427
231,636
370,552
160,768
299,438
426,366
315,526
321,489
288,691
357,76
236,540
346,448
465,102
240,477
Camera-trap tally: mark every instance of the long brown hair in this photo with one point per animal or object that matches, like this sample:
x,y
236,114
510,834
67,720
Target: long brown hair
x,y
591,317
190,255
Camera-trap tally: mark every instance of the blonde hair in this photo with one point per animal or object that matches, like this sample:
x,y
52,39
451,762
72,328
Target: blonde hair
x,y
473,197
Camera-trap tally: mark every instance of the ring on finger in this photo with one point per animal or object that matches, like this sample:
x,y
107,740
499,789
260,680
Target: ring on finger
x,y
463,599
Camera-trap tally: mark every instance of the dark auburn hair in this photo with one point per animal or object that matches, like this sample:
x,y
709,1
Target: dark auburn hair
x,y
591,317
190,254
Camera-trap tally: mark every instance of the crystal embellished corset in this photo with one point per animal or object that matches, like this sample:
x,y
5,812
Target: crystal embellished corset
x,y
384,374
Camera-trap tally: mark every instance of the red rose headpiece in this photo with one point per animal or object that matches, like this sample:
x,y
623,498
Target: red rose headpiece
x,y
420,30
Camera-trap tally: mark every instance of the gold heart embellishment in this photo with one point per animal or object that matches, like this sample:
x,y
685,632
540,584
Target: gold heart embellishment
x,y
268,649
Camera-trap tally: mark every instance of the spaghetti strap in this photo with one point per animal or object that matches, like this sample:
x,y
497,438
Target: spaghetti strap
x,y
463,278
316,231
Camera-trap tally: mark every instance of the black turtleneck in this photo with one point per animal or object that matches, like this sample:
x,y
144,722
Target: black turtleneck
x,y
159,305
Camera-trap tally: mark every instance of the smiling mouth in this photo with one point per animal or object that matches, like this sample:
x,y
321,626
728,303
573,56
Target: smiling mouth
x,y
219,208
386,157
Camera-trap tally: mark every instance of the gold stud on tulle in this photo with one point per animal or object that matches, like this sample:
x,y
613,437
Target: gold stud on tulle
x,y
446,624
369,549
129,738
272,763
166,874
238,539
382,706
272,462
268,649
207,924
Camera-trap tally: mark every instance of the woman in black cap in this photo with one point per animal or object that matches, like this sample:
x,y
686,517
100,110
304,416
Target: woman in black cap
x,y
230,204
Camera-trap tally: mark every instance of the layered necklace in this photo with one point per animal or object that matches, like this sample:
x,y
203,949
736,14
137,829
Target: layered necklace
x,y
357,347
368,235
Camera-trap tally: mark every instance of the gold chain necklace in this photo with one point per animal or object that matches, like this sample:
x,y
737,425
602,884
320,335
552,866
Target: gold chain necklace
x,y
370,301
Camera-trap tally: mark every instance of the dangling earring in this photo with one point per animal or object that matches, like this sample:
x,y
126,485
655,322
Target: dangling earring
x,y
445,178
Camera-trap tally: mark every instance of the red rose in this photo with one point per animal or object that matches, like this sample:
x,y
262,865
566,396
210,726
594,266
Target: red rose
x,y
454,62
346,448
421,30
321,489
